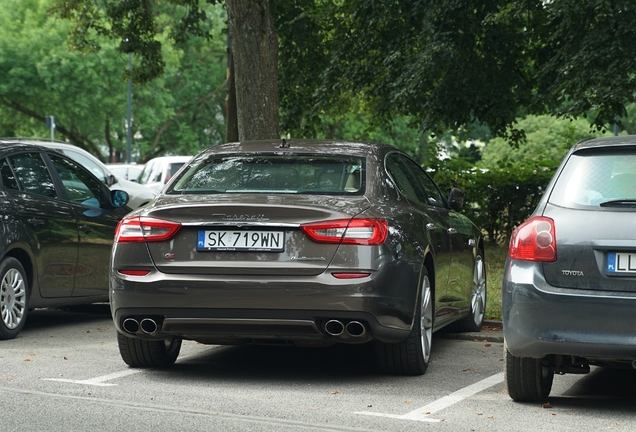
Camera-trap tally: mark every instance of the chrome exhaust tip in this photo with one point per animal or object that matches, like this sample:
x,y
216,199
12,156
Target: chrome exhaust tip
x,y
130,325
334,327
149,326
355,329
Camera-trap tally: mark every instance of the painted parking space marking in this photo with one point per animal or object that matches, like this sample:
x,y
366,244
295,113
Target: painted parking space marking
x,y
99,381
424,413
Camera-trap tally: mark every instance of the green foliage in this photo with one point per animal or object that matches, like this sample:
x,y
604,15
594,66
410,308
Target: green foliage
x,y
134,25
499,198
180,113
547,138
447,64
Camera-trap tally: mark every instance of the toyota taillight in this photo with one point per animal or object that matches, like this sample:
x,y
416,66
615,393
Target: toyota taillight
x,y
534,240
144,229
369,232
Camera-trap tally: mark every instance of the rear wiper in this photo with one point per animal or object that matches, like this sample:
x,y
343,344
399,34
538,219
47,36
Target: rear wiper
x,y
619,203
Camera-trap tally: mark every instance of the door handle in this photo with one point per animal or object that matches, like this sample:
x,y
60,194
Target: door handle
x,y
452,231
85,228
36,222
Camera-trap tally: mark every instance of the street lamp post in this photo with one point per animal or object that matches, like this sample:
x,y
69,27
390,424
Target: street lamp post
x,y
129,115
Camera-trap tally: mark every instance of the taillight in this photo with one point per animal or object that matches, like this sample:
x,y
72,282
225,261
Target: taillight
x,y
348,231
144,229
534,240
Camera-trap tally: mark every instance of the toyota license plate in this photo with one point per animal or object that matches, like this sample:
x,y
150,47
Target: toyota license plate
x,y
229,240
621,262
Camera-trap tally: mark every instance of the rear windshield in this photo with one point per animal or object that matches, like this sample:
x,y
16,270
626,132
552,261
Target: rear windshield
x,y
597,179
306,174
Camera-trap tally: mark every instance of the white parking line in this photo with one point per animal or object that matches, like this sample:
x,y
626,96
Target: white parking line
x,y
423,413
99,381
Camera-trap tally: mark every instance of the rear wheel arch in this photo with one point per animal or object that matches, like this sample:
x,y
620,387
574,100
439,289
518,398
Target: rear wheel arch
x,y
429,265
27,264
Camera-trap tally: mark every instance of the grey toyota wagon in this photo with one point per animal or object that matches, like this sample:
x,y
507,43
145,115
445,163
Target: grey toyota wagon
x,y
300,242
569,288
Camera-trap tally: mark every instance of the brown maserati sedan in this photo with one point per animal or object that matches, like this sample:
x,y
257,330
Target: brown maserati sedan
x,y
297,242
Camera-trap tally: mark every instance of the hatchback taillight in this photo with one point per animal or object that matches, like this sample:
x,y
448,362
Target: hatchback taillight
x,y
534,240
348,231
144,229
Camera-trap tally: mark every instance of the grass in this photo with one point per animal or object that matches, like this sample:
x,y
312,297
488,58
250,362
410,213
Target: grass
x,y
495,261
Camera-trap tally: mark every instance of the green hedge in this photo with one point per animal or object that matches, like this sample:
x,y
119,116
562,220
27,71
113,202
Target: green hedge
x,y
497,199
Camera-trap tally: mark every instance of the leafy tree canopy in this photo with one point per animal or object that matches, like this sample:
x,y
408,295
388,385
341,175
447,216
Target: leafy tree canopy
x,y
452,63
180,112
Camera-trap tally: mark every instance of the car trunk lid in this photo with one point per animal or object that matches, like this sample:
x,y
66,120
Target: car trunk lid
x,y
596,249
248,234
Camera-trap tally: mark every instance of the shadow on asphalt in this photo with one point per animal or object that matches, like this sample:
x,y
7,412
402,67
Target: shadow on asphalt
x,y
56,317
273,363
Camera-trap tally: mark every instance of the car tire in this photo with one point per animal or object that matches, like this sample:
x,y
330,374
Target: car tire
x,y
14,295
141,353
412,355
527,379
475,319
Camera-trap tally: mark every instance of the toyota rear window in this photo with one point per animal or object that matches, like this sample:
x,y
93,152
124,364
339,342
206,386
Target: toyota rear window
x,y
597,178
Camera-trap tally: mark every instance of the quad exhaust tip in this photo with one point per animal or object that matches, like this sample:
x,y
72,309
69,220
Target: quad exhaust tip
x,y
352,328
146,325
130,325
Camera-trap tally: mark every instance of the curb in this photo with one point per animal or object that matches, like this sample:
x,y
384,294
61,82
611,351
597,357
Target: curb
x,y
485,335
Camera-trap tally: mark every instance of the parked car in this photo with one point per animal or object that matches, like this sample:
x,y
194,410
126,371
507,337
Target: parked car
x,y
126,171
569,286
305,242
158,171
139,195
56,229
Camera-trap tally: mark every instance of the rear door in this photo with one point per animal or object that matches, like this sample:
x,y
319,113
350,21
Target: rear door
x,y
593,205
431,221
50,222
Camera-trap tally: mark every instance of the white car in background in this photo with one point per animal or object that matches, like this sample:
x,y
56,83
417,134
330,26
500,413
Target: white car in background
x,y
159,170
126,171
139,195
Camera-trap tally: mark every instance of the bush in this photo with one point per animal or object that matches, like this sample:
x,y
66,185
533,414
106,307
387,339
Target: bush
x,y
497,199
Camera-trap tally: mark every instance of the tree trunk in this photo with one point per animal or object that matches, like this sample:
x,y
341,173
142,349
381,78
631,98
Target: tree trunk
x,y
231,122
254,46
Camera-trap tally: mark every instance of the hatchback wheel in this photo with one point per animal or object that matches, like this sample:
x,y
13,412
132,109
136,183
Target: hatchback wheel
x,y
148,354
13,298
527,379
412,355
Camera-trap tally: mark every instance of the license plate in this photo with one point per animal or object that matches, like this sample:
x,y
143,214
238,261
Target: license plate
x,y
621,262
229,240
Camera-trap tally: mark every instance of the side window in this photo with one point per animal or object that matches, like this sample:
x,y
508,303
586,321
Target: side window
x,y
434,196
157,173
87,163
32,175
80,186
8,178
403,178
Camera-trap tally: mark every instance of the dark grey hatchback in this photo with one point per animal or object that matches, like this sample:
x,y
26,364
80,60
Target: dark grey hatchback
x,y
57,222
304,242
569,288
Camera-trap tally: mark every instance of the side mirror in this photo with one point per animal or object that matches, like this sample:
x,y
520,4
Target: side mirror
x,y
455,198
119,198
